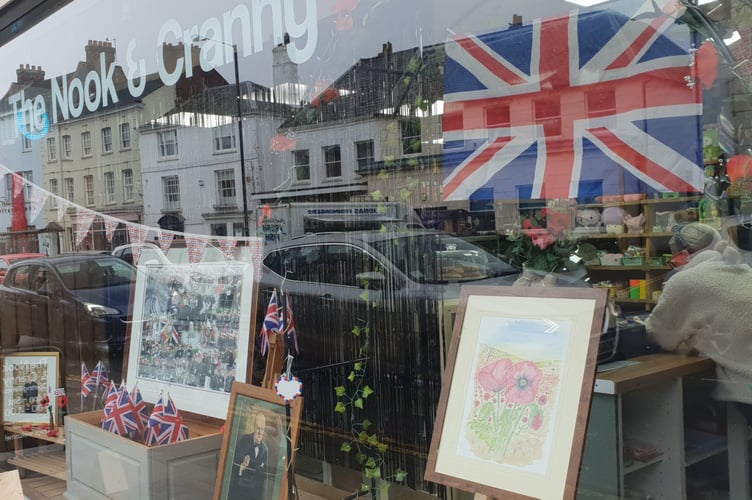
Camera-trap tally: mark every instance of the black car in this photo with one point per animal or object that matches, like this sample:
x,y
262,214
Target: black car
x,y
403,286
77,305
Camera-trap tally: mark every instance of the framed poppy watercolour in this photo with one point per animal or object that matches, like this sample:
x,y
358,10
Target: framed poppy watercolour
x,y
260,438
516,392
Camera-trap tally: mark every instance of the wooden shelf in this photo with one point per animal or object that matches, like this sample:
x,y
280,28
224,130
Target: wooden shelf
x,y
699,446
49,463
628,268
598,236
636,465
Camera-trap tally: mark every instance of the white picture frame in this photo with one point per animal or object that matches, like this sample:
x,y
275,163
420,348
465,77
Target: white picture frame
x,y
20,401
209,307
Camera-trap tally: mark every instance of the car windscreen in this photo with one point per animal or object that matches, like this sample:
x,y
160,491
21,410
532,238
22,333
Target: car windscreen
x,y
439,258
100,273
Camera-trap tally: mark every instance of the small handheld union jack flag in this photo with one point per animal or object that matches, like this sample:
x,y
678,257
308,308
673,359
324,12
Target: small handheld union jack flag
x,y
166,426
87,383
288,325
271,324
100,375
139,406
120,416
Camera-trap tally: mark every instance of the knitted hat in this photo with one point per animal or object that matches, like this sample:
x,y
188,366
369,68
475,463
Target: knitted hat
x,y
693,237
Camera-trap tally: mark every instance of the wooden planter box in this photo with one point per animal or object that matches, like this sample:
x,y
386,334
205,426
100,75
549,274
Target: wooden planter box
x,y
103,465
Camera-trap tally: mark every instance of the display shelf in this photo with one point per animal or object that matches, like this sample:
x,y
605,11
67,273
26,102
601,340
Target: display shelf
x,y
628,268
699,446
637,465
48,463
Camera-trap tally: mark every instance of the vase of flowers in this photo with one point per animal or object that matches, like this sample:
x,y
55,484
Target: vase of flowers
x,y
45,404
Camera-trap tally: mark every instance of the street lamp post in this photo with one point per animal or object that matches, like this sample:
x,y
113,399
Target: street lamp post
x,y
246,223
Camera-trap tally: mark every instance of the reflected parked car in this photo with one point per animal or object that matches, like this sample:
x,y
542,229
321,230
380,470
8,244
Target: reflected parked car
x,y
76,304
404,287
8,259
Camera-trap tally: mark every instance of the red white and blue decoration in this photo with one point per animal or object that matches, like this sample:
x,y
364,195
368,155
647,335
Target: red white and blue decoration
x,y
591,103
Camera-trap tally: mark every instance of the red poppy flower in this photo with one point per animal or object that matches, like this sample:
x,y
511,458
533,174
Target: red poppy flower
x,y
522,381
492,376
62,401
45,402
537,422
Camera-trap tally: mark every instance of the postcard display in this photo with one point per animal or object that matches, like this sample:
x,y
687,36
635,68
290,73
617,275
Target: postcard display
x,y
189,339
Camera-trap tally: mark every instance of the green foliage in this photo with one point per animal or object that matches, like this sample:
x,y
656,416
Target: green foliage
x,y
368,449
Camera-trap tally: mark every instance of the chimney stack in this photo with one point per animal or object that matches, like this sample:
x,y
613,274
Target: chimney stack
x,y
94,48
28,74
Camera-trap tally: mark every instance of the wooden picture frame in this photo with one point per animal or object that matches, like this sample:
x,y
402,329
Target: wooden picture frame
x,y
516,393
190,334
248,404
27,378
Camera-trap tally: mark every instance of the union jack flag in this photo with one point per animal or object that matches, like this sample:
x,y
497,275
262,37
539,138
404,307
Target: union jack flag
x,y
120,416
100,375
271,324
169,332
593,102
139,407
165,424
287,326
87,383
112,395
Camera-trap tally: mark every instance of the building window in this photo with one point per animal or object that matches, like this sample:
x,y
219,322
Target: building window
x,y
364,154
51,149
26,175
410,129
224,138
301,160
171,192
109,187
225,187
128,184
86,143
125,135
67,147
89,184
68,182
107,140
54,191
26,143
168,144
332,161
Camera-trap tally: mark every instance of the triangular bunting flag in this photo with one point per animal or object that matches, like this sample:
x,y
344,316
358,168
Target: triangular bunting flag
x,y
83,221
227,246
137,235
110,225
37,201
195,248
165,240
62,208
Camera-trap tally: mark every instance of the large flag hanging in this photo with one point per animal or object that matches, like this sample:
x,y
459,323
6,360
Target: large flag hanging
x,y
271,324
593,102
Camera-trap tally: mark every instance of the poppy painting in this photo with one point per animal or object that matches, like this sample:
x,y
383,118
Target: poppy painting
x,y
516,393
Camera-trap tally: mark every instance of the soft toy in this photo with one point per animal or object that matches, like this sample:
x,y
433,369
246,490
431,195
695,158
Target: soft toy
x,y
613,215
686,215
634,223
588,220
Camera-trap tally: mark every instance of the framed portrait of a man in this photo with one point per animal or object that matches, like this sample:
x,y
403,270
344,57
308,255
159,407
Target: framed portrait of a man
x,y
27,379
255,455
